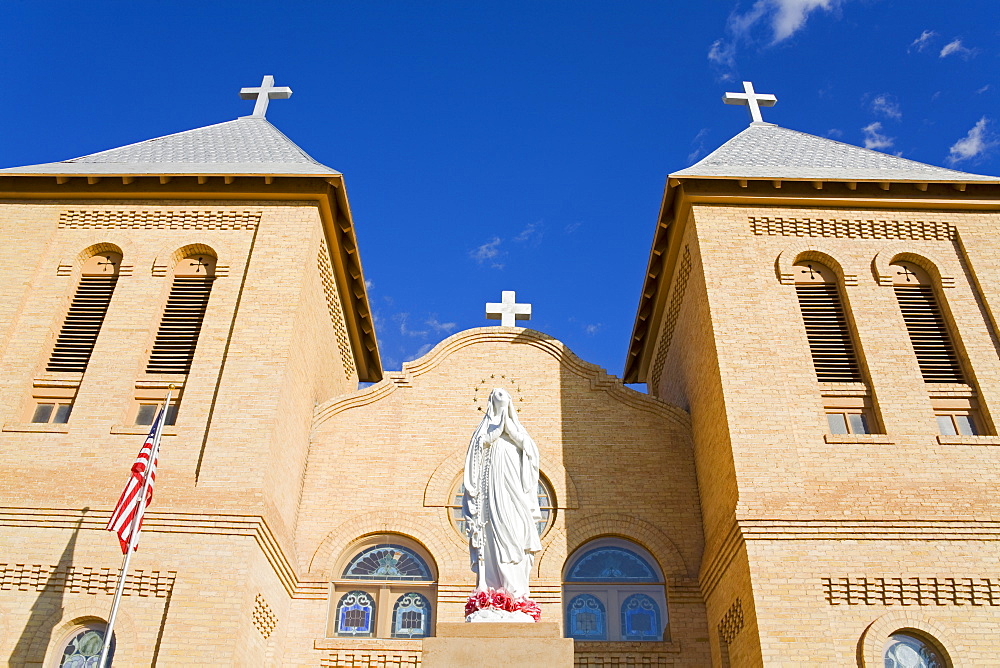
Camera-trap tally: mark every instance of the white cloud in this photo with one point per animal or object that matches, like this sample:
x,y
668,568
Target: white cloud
x,y
955,46
722,53
437,326
874,139
886,105
572,227
983,89
975,144
783,17
368,284
403,319
921,42
532,233
489,253
699,145
592,329
834,132
421,351
791,15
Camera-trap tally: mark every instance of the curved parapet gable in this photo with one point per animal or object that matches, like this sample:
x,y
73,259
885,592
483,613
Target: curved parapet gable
x,y
598,377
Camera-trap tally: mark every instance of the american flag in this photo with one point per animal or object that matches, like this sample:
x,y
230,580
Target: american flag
x,y
122,520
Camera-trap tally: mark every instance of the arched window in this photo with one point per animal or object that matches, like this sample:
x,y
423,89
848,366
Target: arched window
x,y
586,619
613,590
79,330
356,614
385,590
83,646
833,348
546,502
905,650
829,334
177,336
53,403
411,616
925,324
935,351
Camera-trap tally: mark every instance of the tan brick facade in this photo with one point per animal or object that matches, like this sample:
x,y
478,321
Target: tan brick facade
x,y
818,547
779,544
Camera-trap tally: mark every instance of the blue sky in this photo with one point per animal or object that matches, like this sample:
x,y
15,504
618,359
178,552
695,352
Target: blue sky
x,y
495,146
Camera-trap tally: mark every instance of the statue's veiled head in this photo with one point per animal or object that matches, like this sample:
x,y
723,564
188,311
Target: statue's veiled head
x,y
499,401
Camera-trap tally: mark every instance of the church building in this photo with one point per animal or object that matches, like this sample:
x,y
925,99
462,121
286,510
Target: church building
x,y
810,478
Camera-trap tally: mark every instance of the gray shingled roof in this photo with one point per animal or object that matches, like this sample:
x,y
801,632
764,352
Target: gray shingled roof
x,y
248,145
766,151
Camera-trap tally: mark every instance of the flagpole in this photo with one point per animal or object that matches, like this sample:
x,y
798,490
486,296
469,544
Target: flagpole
x,y
134,538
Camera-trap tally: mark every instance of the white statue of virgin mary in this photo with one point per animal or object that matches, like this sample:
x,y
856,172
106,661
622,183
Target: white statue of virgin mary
x,y
501,499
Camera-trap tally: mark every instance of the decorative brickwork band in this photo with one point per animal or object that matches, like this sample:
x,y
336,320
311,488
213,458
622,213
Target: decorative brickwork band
x,y
611,659
732,622
673,309
75,580
372,659
264,620
912,591
158,219
325,267
927,230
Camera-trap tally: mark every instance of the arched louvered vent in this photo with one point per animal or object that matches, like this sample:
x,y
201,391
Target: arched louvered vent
x,y
177,336
79,331
929,334
829,335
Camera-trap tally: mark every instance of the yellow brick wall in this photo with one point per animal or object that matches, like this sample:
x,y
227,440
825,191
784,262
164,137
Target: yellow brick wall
x,y
229,478
385,460
784,508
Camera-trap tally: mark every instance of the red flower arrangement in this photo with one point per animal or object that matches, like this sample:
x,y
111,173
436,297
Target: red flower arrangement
x,y
501,600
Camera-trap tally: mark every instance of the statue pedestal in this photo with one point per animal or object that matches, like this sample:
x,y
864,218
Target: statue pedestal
x,y
473,645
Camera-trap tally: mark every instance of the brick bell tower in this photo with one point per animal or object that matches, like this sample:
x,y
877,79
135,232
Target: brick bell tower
x,y
828,314
222,262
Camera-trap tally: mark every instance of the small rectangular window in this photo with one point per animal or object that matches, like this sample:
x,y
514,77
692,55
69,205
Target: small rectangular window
x,y
42,413
148,410
848,423
945,426
146,414
838,425
957,424
858,422
849,413
62,413
51,412
958,416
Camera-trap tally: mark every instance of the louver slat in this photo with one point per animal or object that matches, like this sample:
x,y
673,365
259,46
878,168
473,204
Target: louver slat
x,y
929,334
180,326
79,331
828,333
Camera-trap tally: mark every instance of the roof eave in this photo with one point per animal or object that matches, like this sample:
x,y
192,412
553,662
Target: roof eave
x,y
938,194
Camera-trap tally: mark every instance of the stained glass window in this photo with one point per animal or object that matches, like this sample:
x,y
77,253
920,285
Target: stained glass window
x,y
611,576
356,614
387,562
905,651
585,618
611,564
546,503
640,618
84,649
411,616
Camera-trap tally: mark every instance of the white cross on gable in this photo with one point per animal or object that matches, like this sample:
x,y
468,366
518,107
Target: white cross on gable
x,y
507,310
753,101
264,93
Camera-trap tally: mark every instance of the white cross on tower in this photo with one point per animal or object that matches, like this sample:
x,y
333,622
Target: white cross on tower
x,y
266,92
753,101
507,311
